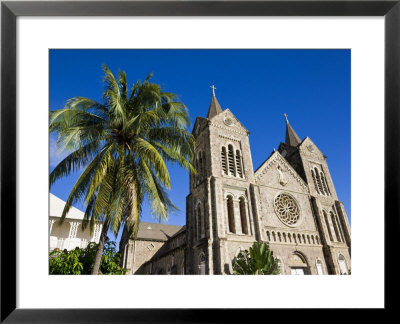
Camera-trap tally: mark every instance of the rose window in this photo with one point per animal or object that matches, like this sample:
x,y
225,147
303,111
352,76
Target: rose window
x,y
287,209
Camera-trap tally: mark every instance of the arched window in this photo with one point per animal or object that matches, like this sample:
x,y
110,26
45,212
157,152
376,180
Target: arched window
x,y
239,164
231,160
318,264
243,215
304,239
279,237
308,239
294,238
231,215
298,264
317,239
327,187
339,227
290,238
284,237
342,265
335,226
314,180
324,184
312,238
299,237
319,184
273,236
328,226
268,236
223,160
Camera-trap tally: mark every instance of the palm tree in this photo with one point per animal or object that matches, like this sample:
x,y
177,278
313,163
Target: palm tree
x,y
123,144
259,260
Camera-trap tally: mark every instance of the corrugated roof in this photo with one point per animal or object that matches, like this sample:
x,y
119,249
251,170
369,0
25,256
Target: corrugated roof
x,y
157,232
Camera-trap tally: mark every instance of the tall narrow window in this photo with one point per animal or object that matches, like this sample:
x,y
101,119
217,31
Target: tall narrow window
x,y
231,160
239,169
324,184
328,226
319,184
223,160
231,216
340,228
315,180
243,215
335,226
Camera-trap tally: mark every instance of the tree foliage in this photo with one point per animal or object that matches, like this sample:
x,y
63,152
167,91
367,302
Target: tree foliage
x,y
81,261
123,145
258,260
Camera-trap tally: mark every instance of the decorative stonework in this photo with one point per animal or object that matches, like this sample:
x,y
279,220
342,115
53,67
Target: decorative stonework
x,y
230,138
274,159
228,129
286,209
282,177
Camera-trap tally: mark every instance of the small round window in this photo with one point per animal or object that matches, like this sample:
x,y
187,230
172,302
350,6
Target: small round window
x,y
287,209
228,121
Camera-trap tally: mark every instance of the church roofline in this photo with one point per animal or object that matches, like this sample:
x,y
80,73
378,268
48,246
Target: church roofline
x,y
276,154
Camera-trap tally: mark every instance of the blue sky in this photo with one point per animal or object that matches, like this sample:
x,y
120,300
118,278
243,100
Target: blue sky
x,y
311,86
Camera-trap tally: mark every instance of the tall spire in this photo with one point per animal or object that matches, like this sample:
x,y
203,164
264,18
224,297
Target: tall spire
x,y
214,108
292,138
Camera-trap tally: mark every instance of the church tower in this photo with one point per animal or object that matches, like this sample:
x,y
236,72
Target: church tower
x,y
330,215
219,218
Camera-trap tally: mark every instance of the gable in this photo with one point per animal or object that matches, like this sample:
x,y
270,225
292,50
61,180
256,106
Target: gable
x,y
276,172
226,120
308,148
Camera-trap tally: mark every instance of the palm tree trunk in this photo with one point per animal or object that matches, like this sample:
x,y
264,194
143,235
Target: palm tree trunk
x,y
100,248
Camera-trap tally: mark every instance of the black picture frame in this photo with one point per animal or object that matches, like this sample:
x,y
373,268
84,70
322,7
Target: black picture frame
x,y
10,10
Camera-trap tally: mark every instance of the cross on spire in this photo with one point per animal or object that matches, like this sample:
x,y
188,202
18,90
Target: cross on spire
x,y
213,89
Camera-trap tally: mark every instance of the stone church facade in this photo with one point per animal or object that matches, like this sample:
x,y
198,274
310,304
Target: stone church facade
x,y
289,202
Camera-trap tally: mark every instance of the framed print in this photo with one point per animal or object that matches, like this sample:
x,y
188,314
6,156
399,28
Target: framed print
x,y
366,34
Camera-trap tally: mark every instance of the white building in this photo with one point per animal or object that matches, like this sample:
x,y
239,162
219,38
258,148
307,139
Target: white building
x,y
69,234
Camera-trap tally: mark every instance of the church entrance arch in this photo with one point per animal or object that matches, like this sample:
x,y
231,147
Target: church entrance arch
x,y
298,264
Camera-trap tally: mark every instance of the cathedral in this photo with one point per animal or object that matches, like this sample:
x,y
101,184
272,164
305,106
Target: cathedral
x,y
289,201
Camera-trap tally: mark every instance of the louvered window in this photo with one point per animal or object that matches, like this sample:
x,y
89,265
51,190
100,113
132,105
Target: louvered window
x,y
239,164
231,160
223,160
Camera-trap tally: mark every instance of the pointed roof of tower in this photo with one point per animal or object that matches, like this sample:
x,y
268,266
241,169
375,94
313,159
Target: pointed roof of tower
x,y
214,108
292,138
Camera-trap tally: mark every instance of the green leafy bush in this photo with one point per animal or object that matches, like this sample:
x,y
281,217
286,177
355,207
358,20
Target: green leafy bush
x,y
258,260
80,261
